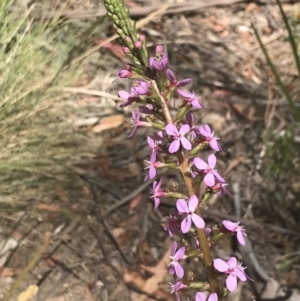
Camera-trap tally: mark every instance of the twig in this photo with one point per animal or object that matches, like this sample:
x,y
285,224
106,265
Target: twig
x,y
174,8
130,196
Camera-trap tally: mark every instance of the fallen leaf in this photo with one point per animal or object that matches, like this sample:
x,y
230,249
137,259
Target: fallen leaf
x,y
134,278
49,207
116,49
134,203
150,285
51,260
5,272
222,93
252,8
110,122
144,253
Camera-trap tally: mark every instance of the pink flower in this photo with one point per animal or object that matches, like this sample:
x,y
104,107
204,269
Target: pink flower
x,y
202,297
125,73
157,193
132,97
152,165
154,141
178,136
220,189
137,122
236,228
208,170
138,44
206,131
189,119
176,255
191,98
172,78
187,209
175,288
160,60
232,269
172,226
140,87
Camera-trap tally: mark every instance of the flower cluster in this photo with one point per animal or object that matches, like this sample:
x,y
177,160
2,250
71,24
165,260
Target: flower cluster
x,y
175,143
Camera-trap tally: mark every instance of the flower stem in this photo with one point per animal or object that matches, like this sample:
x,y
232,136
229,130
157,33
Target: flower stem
x,y
184,168
207,258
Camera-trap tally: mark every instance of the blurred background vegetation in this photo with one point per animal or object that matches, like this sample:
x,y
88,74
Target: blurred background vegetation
x,y
38,145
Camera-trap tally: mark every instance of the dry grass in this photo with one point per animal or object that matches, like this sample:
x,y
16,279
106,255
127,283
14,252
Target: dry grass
x,y
37,144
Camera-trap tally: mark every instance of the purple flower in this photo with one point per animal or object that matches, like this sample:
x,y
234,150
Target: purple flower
x,y
172,225
176,255
157,193
152,165
140,87
202,297
232,269
236,228
125,73
206,131
209,170
172,78
220,189
191,98
175,288
172,130
132,97
188,208
160,60
154,141
189,119
137,122
138,44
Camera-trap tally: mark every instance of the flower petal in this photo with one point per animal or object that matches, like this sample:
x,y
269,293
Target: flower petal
x,y
174,146
184,129
123,94
151,142
200,297
212,161
156,203
186,224
213,297
198,221
196,104
240,238
232,261
193,202
231,226
241,275
185,94
215,145
180,253
231,283
170,75
152,172
174,248
200,164
209,180
182,206
186,143
171,129
178,270
184,82
220,265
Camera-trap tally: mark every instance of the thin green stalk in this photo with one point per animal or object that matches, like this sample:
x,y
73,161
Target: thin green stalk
x,y
282,87
291,37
